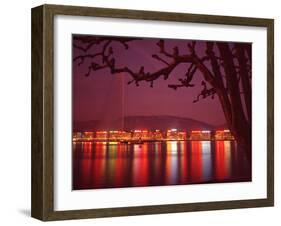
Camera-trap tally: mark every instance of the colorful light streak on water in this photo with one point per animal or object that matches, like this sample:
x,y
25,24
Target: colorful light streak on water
x,y
112,165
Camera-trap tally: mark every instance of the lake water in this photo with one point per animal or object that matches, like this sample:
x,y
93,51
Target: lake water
x,y
112,165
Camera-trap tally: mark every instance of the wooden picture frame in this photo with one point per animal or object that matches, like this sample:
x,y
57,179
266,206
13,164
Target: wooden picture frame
x,y
43,112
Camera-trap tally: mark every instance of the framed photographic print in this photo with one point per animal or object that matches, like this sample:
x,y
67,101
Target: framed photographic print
x,y
141,112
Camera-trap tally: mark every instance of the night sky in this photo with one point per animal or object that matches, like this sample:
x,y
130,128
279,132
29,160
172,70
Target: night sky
x,y
102,95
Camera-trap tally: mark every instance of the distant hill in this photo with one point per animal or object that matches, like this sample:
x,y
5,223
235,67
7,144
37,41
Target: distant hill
x,y
144,122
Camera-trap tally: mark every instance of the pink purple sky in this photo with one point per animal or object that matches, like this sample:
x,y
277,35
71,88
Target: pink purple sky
x,y
103,95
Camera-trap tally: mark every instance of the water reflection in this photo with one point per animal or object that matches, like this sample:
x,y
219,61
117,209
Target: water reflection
x,y
140,164
206,160
223,160
108,165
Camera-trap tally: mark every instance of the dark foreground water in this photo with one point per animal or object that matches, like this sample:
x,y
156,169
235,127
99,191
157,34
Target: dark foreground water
x,y
111,165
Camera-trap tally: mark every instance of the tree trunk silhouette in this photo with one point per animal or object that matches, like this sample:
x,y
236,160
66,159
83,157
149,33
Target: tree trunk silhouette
x,y
240,124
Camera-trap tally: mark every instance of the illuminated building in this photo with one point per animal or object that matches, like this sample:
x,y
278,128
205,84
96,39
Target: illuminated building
x,y
140,135
119,135
200,135
157,135
113,135
172,134
136,134
224,135
101,135
144,135
88,135
125,135
77,135
181,135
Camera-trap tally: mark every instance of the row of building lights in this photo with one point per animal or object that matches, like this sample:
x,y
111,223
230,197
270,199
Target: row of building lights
x,y
171,134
